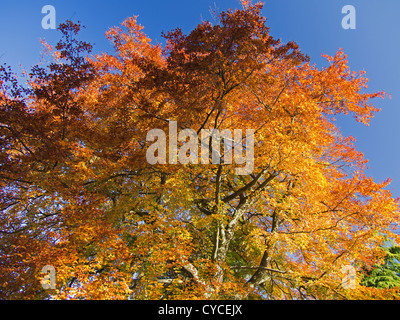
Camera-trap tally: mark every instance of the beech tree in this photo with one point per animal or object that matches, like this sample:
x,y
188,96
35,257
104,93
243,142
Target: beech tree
x,y
385,275
79,195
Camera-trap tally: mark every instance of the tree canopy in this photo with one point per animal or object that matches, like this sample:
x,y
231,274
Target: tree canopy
x,y
79,195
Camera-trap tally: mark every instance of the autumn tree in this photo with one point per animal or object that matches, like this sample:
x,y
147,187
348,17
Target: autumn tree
x,y
79,194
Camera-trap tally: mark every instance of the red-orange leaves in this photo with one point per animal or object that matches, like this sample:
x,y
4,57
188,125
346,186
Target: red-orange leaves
x,y
78,193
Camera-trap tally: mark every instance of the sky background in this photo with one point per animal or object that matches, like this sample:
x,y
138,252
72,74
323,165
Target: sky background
x,y
315,25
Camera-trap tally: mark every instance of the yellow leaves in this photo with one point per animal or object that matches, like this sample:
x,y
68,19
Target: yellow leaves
x,y
113,225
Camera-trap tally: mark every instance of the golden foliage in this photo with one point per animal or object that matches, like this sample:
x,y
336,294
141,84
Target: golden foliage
x,y
78,194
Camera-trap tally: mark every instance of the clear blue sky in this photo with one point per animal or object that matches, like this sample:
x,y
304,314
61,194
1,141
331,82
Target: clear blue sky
x,y
314,24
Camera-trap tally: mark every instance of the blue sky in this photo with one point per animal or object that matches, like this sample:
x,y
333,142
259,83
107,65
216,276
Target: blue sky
x,y
315,25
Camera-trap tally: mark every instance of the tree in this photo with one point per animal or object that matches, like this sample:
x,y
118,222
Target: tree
x,y
78,193
386,275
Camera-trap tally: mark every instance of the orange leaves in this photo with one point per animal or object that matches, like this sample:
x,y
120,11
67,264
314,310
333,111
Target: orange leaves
x,y
79,194
134,44
346,89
